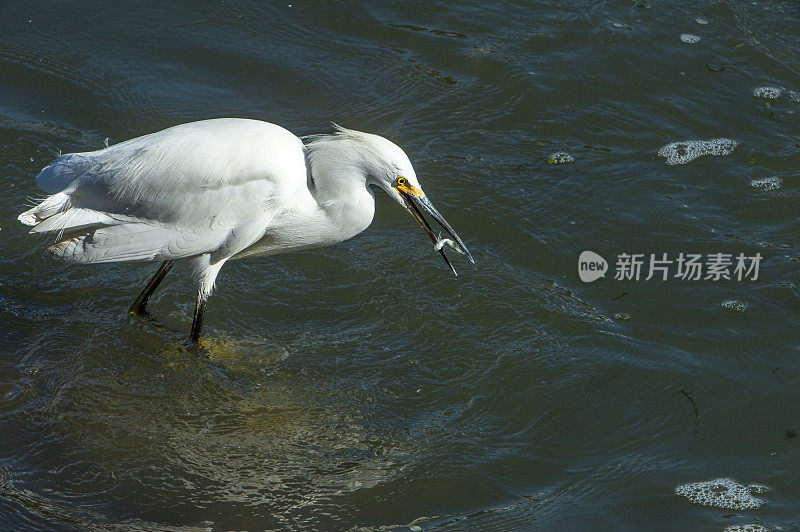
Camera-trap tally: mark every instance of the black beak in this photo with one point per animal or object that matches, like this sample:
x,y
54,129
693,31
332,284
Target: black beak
x,y
415,205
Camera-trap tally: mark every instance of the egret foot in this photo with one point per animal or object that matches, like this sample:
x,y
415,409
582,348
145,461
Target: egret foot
x,y
138,307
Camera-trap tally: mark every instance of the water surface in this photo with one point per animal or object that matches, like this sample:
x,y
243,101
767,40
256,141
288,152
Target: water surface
x,y
363,386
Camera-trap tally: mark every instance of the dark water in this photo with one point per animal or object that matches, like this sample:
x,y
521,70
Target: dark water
x,y
362,386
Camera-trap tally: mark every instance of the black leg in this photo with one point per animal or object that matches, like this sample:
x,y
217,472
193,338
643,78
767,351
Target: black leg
x,y
137,309
197,322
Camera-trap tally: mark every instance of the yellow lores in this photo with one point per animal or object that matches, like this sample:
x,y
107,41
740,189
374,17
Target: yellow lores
x,y
402,185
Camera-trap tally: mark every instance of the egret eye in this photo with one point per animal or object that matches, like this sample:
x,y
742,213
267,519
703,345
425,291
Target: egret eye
x,y
402,181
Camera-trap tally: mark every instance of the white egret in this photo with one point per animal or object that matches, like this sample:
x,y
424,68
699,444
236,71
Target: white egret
x,y
208,191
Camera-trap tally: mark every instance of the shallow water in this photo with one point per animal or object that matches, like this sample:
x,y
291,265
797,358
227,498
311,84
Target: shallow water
x,y
363,386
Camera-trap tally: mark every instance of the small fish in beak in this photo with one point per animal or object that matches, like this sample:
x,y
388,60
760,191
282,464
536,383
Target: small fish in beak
x,y
415,201
441,242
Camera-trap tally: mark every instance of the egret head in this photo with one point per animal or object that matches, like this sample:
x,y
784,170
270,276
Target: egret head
x,y
387,166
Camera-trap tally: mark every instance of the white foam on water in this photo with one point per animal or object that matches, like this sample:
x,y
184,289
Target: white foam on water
x,y
689,150
723,493
620,25
690,38
748,527
701,20
738,306
767,183
560,157
770,93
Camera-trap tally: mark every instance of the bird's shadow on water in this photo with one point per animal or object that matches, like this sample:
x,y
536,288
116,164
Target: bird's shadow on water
x,y
192,409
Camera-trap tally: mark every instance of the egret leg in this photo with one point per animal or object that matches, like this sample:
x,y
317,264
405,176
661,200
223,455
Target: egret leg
x,y
138,307
207,275
197,322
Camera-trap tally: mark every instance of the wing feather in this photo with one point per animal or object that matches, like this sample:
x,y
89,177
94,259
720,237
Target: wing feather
x,y
134,242
204,187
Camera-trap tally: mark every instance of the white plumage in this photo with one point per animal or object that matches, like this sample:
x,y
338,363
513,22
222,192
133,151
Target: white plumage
x,y
208,191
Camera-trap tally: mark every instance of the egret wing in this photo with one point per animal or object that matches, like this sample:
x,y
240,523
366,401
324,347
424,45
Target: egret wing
x,y
197,188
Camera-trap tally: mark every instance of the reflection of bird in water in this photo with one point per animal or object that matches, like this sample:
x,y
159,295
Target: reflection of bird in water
x,y
208,191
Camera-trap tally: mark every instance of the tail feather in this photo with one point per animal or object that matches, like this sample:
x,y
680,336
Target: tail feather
x,y
51,206
72,220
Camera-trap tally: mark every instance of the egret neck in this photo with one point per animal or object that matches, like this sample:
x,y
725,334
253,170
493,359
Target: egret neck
x,y
340,178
